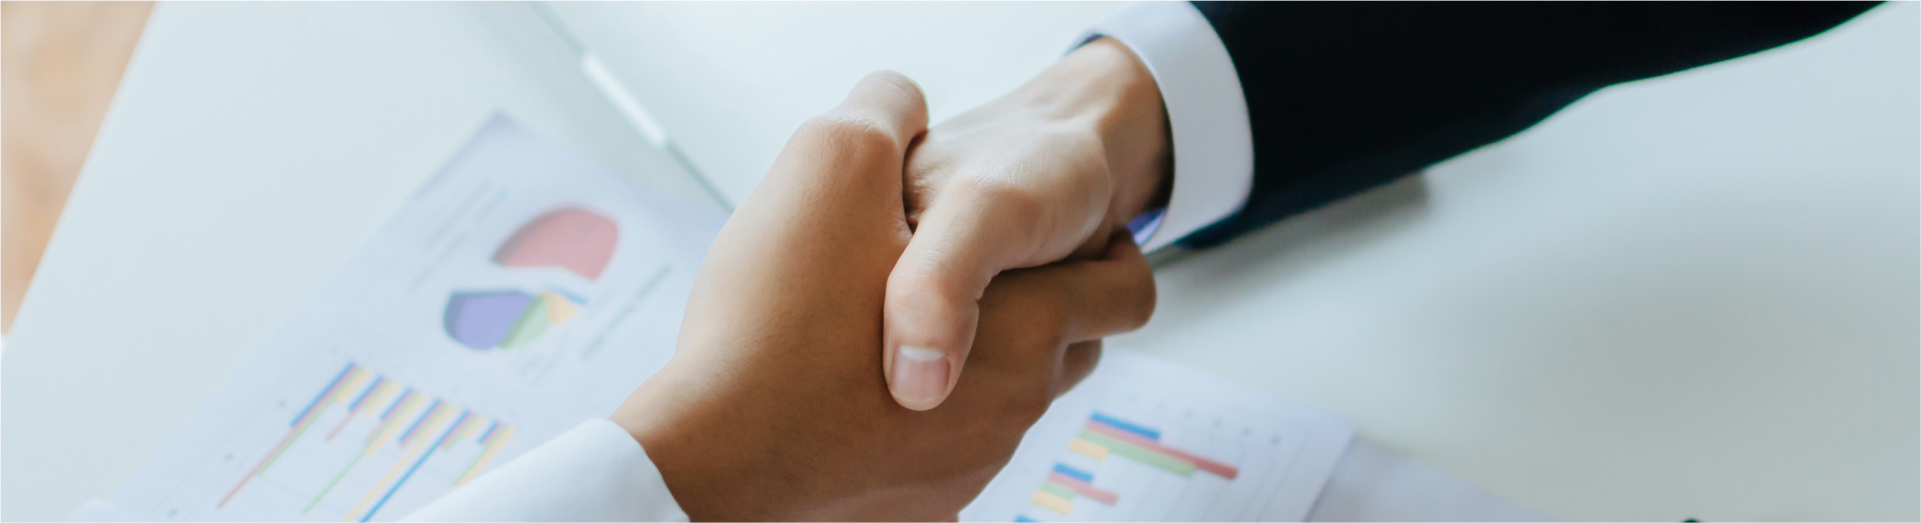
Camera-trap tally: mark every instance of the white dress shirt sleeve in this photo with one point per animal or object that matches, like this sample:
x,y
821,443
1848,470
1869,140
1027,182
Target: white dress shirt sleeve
x,y
595,472
1206,111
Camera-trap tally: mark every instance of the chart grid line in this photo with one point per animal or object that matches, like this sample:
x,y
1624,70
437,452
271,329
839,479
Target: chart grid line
x,y
300,425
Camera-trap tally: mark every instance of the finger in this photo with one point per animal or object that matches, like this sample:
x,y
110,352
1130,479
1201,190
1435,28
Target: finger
x,y
1077,362
977,226
1088,299
820,233
934,291
888,102
1097,298
852,154
1045,323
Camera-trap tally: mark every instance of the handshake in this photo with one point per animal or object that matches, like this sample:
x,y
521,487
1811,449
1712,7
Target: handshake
x,y
884,317
819,370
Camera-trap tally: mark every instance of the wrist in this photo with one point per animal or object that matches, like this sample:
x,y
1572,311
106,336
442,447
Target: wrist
x,y
1104,89
699,462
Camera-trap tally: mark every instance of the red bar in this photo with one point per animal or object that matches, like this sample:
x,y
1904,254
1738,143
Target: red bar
x,y
312,413
1220,469
1107,497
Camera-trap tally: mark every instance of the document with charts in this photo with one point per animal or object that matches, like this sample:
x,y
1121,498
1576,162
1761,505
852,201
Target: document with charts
x,y
523,290
1143,440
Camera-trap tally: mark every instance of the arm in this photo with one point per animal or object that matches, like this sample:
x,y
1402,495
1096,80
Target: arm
x,y
1230,116
1343,97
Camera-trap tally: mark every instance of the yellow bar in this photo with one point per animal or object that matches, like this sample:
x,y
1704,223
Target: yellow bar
x,y
393,423
430,425
434,417
1055,503
500,440
354,382
1087,448
473,423
460,431
380,396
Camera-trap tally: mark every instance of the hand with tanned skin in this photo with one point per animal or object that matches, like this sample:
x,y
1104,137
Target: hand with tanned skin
x,y
775,406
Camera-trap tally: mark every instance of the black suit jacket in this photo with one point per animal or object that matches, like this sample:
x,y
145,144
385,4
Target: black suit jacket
x,y
1345,96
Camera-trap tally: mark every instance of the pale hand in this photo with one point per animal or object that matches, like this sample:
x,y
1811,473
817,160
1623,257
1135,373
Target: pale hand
x,y
1045,173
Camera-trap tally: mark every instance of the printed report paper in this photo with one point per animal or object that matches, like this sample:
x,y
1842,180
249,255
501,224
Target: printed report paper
x,y
521,291
1144,440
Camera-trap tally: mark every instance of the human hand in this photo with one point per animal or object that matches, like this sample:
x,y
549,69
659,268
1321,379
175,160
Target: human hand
x,y
772,407
1045,172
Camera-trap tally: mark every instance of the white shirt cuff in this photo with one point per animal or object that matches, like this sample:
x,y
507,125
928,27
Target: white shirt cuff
x,y
1213,145
595,472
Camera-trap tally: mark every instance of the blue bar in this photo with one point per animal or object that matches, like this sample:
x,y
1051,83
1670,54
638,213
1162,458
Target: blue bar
x,y
397,401
323,393
410,471
489,433
1130,427
1024,519
450,430
418,421
456,425
369,392
1074,472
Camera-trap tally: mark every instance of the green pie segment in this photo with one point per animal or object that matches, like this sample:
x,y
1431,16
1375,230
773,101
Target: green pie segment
x,y
505,319
532,324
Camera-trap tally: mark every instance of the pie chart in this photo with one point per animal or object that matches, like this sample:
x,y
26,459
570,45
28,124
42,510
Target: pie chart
x,y
505,319
571,238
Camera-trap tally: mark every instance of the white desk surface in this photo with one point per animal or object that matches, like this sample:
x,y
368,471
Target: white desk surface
x,y
1694,296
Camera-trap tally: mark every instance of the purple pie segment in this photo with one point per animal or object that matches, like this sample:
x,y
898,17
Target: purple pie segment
x,y
482,319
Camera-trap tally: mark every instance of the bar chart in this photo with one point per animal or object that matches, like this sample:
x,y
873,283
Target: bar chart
x,y
1105,437
1065,484
362,446
520,292
1143,441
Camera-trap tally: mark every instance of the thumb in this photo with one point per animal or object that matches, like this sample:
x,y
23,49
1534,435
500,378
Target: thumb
x,y
933,295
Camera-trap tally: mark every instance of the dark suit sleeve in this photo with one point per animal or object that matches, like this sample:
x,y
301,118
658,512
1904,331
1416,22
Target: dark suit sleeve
x,y
1345,96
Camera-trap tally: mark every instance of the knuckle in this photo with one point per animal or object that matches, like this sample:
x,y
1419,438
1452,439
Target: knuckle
x,y
1141,303
895,80
1132,295
1038,307
852,131
1078,362
1048,318
1030,404
1051,329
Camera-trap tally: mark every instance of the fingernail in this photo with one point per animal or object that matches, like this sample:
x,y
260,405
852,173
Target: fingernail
x,y
920,374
